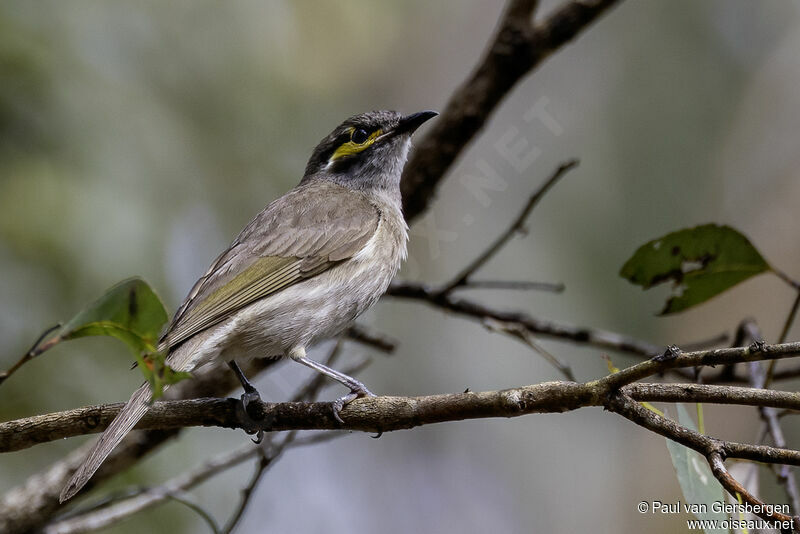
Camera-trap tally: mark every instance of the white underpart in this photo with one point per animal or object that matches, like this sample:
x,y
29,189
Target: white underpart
x,y
306,312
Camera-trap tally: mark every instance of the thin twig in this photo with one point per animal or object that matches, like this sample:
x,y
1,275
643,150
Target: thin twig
x,y
749,331
596,337
787,325
515,285
516,331
207,517
735,488
147,498
150,497
372,338
770,417
786,278
29,354
264,462
713,449
516,226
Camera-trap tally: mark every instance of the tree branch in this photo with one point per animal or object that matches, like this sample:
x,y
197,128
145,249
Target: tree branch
x,y
713,449
470,308
30,505
462,278
380,414
386,413
518,47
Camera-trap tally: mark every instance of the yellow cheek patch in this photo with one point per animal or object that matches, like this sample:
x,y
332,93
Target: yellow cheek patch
x,y
349,148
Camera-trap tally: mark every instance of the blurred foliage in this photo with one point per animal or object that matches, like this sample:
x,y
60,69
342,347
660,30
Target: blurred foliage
x,y
23,92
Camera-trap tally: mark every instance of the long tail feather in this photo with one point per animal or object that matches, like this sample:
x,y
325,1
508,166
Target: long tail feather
x,y
122,424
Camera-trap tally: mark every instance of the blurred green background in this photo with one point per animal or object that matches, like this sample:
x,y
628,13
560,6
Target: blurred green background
x,y
137,138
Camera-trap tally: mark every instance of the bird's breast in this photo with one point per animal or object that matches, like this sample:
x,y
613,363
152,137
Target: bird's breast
x,y
325,304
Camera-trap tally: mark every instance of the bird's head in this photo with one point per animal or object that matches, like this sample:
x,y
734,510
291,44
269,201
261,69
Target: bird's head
x,y
367,151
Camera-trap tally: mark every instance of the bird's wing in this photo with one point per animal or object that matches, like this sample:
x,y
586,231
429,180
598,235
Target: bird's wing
x,y
303,233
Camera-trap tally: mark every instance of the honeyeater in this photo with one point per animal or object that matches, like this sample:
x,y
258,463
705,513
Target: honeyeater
x,y
302,270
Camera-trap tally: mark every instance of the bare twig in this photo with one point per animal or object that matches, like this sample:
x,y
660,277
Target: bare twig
x,y
713,449
770,417
518,47
199,510
715,461
786,278
516,226
265,460
29,355
30,505
518,285
518,332
673,358
372,338
749,331
472,309
114,513
138,501
787,325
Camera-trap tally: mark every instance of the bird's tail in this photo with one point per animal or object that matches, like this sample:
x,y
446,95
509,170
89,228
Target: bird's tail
x,y
122,424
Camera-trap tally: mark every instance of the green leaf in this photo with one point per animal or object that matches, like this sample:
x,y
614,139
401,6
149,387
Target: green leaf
x,y
130,311
701,262
158,374
697,482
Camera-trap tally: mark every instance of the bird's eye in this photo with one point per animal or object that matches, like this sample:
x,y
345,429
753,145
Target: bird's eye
x,y
359,136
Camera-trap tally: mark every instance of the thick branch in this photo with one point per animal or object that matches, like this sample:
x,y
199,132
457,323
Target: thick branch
x,y
32,504
385,413
519,46
370,414
715,450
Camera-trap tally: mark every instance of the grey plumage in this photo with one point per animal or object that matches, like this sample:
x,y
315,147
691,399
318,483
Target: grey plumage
x,y
301,271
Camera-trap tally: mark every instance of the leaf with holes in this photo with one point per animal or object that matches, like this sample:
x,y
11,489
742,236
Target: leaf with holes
x,y
701,262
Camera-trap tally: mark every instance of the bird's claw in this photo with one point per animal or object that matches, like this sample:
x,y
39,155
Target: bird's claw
x,y
250,424
259,437
341,402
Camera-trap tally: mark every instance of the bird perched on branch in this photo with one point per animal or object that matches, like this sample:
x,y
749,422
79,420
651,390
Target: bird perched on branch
x,y
301,271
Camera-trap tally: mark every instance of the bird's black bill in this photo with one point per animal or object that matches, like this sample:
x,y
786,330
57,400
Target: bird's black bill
x,y
411,122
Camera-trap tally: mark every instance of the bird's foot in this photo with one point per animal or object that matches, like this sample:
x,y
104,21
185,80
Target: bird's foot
x,y
252,424
341,402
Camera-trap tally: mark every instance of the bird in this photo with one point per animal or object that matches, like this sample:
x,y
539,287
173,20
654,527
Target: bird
x,y
301,271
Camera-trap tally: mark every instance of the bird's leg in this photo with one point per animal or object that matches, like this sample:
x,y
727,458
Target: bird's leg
x,y
250,394
357,389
